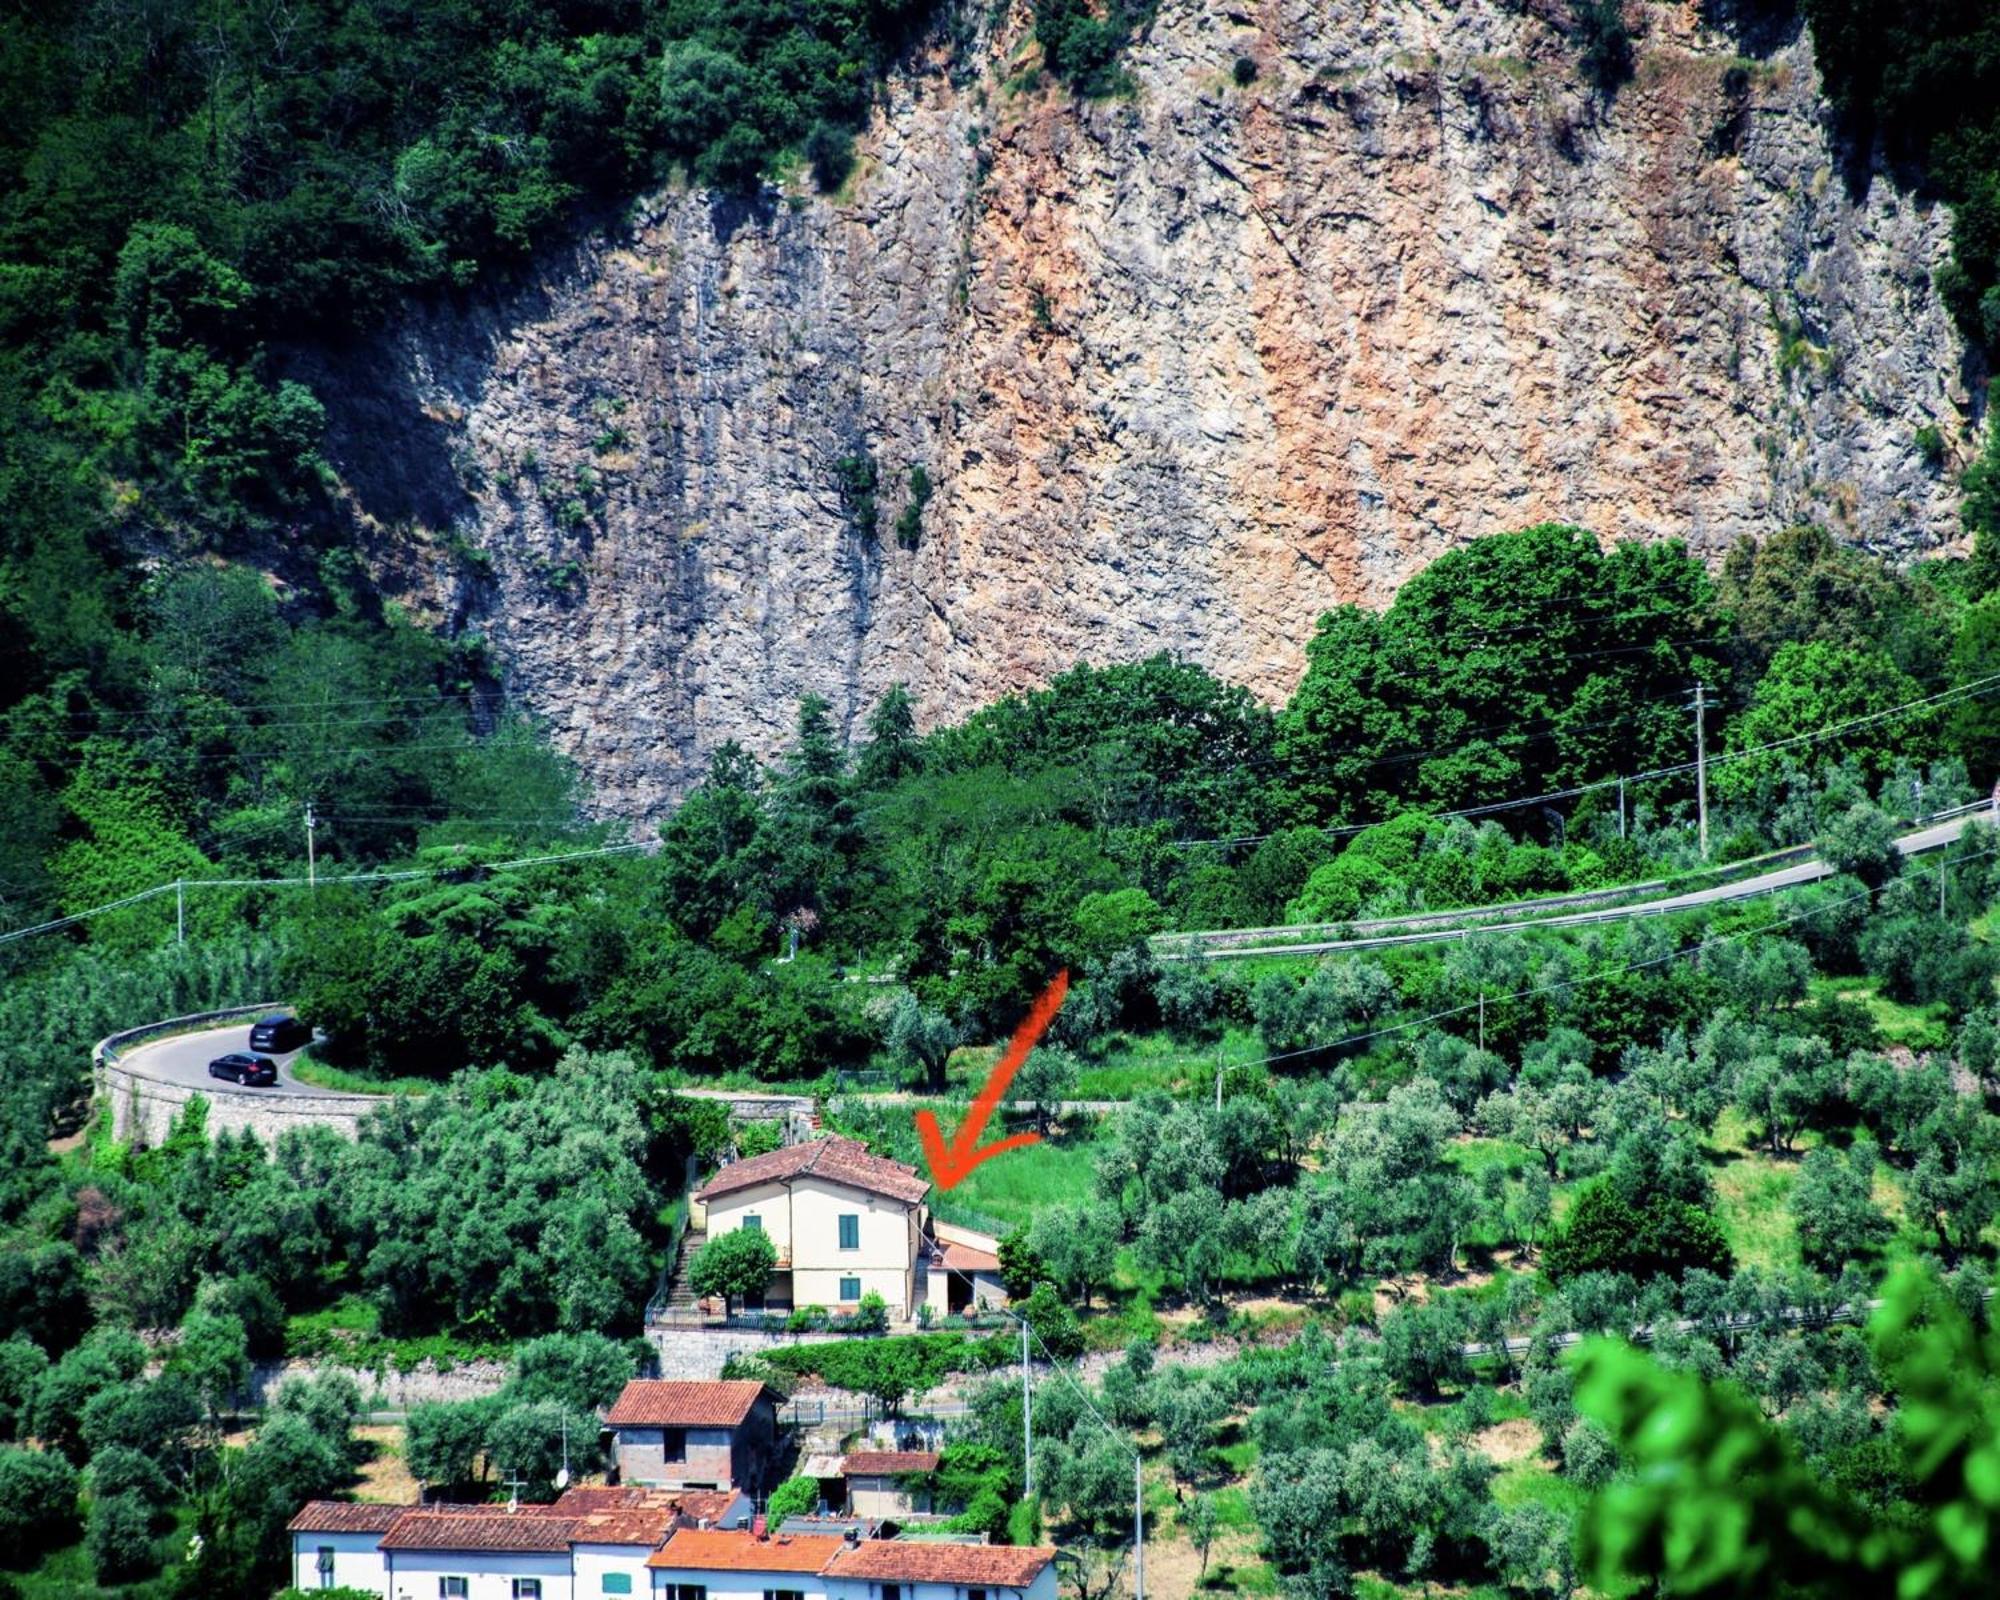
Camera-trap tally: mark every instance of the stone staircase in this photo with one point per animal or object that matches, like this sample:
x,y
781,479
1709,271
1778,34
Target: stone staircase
x,y
680,1297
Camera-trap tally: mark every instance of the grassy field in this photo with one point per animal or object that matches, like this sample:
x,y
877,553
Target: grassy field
x,y
1012,1188
1901,1027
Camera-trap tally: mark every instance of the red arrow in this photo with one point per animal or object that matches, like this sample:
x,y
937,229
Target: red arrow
x,y
951,1165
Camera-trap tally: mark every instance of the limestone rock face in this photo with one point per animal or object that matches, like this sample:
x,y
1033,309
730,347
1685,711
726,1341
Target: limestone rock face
x,y
1184,369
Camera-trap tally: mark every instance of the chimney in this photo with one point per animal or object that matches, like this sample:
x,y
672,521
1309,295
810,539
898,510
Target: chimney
x,y
853,1534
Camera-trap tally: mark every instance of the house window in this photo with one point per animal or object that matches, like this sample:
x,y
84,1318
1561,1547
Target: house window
x,y
527,1589
892,1591
326,1566
784,1594
975,1594
754,1223
451,1589
850,1289
688,1591
617,1583
674,1445
850,1232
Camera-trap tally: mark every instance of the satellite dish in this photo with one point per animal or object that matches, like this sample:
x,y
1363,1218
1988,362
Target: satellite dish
x,y
562,1477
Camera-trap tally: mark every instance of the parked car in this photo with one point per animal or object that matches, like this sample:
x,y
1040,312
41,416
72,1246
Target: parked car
x,y
280,1033
238,1067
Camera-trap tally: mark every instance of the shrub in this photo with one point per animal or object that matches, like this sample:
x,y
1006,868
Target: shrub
x,y
830,152
806,1319
1244,72
37,1504
120,1537
795,1497
1930,446
872,1316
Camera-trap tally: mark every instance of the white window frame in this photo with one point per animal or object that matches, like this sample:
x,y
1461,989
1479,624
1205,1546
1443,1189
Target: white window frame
x,y
527,1589
447,1591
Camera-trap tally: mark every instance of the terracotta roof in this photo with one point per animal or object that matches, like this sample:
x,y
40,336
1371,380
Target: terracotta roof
x,y
713,1504
883,1463
479,1528
585,1498
913,1561
737,1550
667,1403
834,1159
343,1516
963,1258
646,1526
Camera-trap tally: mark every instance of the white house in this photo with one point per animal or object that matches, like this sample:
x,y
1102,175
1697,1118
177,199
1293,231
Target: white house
x,y
334,1545
714,1564
918,1569
843,1222
592,1542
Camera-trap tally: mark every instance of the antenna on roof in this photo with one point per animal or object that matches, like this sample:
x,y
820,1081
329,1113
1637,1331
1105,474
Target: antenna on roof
x,y
513,1484
562,1477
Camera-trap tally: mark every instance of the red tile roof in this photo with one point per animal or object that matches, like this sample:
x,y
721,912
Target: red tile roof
x,y
646,1527
884,1463
711,1504
479,1528
837,1160
587,1497
963,1258
343,1516
735,1550
913,1561
666,1403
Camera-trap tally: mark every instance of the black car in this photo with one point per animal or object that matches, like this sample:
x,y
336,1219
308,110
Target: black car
x,y
279,1034
237,1067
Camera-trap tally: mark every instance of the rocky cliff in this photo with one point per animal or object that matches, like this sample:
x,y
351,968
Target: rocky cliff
x,y
1182,369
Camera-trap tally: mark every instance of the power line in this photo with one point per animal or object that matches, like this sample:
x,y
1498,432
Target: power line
x,y
180,885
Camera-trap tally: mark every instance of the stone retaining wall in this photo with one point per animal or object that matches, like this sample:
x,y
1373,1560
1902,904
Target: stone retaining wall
x,y
144,1108
698,1353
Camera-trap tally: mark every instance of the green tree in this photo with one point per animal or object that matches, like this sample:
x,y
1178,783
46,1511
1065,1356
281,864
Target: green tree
x,y
1836,1218
119,1537
1807,690
795,1497
37,1504
1719,1502
735,1264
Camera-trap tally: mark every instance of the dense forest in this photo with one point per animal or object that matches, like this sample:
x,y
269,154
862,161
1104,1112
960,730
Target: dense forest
x,y
1730,1128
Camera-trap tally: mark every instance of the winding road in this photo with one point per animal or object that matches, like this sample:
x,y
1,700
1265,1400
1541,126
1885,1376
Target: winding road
x,y
183,1058
1481,919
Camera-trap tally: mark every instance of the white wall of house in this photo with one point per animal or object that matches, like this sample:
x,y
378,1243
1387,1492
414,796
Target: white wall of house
x,y
668,1582
595,1563
882,1258
770,1203
802,1222
488,1574
357,1564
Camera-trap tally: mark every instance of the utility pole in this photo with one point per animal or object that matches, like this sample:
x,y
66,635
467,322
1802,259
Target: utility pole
x,y
1218,1088
1944,866
1138,1528
1701,760
1621,808
1482,1019
312,855
180,911
1027,1422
